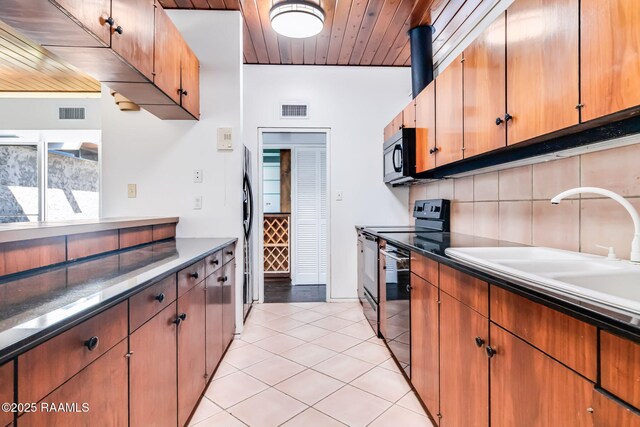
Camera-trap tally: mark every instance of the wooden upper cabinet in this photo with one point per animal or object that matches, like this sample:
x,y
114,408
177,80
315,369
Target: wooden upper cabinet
x,y
464,366
6,391
449,110
485,91
425,368
167,56
190,81
92,14
409,115
542,67
620,367
426,128
394,126
609,56
527,385
133,33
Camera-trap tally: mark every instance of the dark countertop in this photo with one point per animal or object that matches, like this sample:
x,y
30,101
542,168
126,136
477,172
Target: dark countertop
x,y
34,307
434,244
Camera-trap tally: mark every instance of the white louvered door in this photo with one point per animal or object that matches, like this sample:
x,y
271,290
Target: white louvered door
x,y
309,216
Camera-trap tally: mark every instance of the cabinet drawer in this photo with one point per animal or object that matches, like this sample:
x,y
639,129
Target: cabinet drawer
x,y
620,367
190,276
146,303
6,391
212,263
570,341
103,386
228,253
424,268
50,364
466,289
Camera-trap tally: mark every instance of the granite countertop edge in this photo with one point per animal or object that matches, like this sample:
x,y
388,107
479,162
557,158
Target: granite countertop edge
x,y
596,316
15,349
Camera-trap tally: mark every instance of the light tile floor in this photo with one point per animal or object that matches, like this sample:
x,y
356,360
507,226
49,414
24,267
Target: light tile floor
x,y
308,365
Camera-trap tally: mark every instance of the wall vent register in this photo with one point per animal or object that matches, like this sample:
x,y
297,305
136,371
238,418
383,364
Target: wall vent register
x,y
71,113
294,111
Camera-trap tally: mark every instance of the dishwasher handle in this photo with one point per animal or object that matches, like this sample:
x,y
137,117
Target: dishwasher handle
x,y
392,256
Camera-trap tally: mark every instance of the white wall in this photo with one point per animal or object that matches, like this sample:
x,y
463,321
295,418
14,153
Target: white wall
x,y
42,113
355,103
160,155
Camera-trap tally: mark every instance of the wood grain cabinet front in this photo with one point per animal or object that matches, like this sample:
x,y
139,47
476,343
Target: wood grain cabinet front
x,y
425,363
153,371
133,33
530,388
466,289
47,366
449,110
620,367
6,391
167,56
190,81
426,128
464,366
609,56
94,15
213,263
150,301
214,323
409,115
228,304
190,276
542,67
191,350
485,91
97,395
609,413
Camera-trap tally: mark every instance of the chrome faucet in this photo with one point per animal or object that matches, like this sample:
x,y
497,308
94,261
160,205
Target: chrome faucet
x,y
635,244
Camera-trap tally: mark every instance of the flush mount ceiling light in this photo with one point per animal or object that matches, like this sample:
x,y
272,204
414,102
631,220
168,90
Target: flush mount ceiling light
x,y
297,19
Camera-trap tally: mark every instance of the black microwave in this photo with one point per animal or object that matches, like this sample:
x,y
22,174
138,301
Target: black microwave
x,y
399,162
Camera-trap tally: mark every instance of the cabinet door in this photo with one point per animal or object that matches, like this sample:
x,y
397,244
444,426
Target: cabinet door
x,y
409,115
388,131
102,385
424,343
527,385
485,91
190,89
464,366
426,128
136,21
542,67
167,56
609,56
92,14
213,340
153,380
449,131
608,413
620,367
228,304
191,350
6,391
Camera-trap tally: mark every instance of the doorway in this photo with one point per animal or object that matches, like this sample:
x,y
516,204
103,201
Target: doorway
x,y
294,215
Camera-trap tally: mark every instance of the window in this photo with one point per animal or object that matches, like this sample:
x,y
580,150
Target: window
x,y
57,177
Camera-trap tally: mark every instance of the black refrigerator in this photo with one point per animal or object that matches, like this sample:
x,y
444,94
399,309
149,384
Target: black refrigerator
x,y
247,241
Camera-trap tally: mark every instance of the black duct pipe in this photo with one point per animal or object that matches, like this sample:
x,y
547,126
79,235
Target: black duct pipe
x,y
421,57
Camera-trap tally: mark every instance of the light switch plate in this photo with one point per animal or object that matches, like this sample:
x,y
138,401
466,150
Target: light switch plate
x,y
132,191
197,202
225,139
197,176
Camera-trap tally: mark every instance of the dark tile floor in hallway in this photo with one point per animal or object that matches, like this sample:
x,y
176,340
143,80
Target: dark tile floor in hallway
x,y
282,291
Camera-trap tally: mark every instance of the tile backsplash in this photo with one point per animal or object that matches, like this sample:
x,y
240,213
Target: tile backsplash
x,y
513,204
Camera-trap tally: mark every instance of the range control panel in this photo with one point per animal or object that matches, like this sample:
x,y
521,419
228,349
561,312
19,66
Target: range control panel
x,y
433,213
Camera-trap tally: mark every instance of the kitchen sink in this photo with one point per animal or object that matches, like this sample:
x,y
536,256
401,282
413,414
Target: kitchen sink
x,y
613,283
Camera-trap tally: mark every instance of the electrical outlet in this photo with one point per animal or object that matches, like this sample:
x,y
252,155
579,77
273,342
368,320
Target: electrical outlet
x,y
132,191
197,202
197,176
339,196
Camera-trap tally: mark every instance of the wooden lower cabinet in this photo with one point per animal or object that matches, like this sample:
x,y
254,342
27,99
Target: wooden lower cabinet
x,y
424,343
213,328
228,303
102,385
464,365
6,391
153,379
620,367
530,388
609,413
191,350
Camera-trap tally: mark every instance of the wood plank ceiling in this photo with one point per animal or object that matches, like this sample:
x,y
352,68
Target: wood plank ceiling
x,y
356,32
27,67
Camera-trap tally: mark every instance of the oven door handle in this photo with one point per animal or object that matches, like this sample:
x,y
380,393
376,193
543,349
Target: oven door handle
x,y
370,301
388,254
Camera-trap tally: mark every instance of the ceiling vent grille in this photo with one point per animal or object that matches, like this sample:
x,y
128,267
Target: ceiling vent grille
x,y
71,113
294,111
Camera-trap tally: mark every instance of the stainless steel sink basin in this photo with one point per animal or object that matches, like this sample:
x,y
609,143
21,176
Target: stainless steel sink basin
x,y
615,284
